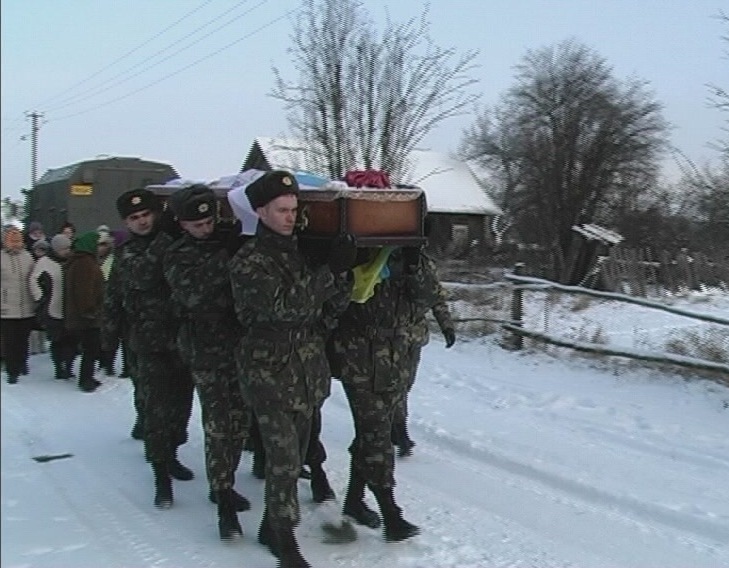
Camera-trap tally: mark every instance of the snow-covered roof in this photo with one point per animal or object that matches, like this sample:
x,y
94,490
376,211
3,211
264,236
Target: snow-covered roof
x,y
449,184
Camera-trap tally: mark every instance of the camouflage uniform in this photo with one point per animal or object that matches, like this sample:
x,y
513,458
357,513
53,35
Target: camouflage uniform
x,y
374,348
420,333
281,301
115,331
197,272
141,301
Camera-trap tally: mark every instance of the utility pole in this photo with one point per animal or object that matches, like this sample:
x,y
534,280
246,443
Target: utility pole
x,y
34,128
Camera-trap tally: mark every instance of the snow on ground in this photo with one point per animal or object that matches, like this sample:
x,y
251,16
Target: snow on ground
x,y
523,459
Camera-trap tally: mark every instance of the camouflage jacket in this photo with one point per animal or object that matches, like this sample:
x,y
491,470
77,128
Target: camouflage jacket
x,y
286,307
137,296
198,276
434,291
372,342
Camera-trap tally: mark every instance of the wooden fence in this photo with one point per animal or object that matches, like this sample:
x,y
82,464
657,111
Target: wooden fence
x,y
639,272
518,331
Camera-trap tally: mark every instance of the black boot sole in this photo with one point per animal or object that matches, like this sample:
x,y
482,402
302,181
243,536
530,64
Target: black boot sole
x,y
402,531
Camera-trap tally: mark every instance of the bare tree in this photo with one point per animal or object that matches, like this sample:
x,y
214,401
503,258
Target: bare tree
x,y
364,99
719,97
569,143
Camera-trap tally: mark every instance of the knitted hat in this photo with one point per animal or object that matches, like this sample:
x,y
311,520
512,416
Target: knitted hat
x,y
34,226
41,244
136,200
193,203
60,242
86,242
270,186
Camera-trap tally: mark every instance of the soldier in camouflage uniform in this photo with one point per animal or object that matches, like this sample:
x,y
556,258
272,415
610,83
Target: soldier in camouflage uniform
x,y
196,269
118,331
283,301
141,301
372,350
420,337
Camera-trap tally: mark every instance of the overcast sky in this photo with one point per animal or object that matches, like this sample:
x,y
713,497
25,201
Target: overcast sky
x,y
186,81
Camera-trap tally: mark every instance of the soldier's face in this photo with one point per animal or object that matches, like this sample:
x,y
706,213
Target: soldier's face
x,y
200,229
141,222
279,215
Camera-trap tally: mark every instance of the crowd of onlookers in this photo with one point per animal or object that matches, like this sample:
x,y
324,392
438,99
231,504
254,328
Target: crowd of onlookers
x,y
52,300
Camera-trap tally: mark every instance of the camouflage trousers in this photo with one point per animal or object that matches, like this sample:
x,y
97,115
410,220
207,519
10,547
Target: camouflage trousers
x,y
401,410
285,436
226,422
140,389
371,450
168,388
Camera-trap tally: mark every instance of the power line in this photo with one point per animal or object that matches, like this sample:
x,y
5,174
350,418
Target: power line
x,y
178,71
78,99
127,54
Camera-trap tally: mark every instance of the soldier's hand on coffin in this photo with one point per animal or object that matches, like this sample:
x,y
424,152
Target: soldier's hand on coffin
x,y
411,258
450,337
342,254
229,235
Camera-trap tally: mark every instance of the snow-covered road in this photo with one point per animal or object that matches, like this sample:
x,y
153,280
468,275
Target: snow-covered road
x,y
522,459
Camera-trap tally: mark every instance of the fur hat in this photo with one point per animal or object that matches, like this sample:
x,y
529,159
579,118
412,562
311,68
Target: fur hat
x,y
193,203
270,186
136,200
60,242
105,237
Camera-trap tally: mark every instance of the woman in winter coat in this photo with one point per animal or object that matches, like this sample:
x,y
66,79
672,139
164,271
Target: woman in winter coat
x,y
83,293
17,312
46,285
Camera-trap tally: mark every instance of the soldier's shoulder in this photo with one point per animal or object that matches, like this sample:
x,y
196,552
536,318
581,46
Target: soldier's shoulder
x,y
176,247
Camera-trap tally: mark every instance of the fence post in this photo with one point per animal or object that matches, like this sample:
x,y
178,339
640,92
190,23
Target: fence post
x,y
517,309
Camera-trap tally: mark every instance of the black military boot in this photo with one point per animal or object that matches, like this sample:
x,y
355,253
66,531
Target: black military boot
x,y
266,536
289,554
179,471
354,504
401,438
239,502
228,524
320,489
138,429
396,528
162,485
259,464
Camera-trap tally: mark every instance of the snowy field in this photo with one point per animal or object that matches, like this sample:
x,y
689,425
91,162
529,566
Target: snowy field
x,y
529,459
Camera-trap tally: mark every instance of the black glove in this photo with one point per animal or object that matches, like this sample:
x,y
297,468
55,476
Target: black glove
x,y
450,337
229,235
342,254
411,258
168,224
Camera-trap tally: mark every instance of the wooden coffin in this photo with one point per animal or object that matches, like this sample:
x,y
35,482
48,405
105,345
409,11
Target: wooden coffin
x,y
374,217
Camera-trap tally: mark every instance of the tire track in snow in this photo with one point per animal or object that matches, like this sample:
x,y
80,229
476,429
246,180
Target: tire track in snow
x,y
696,532
129,535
